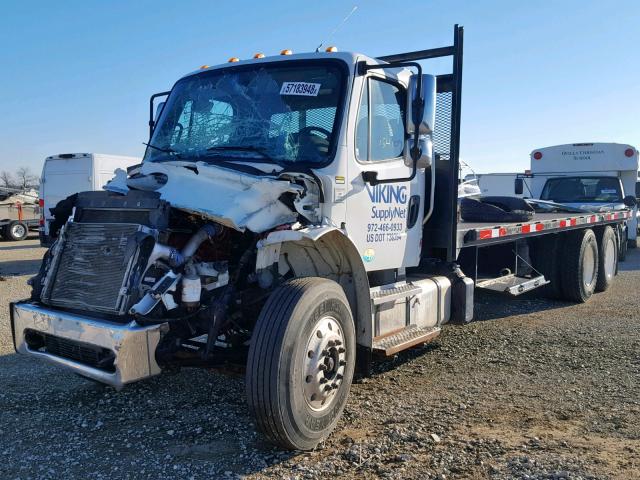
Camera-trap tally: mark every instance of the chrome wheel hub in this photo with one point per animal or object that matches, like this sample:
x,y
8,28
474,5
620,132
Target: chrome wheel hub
x,y
589,267
325,361
610,259
18,231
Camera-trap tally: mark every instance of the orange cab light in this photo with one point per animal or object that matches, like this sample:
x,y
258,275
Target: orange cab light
x,y
331,49
233,60
286,51
202,67
259,55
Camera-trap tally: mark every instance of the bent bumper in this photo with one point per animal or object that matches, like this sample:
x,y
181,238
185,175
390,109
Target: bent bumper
x,y
108,352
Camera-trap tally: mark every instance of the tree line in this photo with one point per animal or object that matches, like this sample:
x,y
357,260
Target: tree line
x,y
22,179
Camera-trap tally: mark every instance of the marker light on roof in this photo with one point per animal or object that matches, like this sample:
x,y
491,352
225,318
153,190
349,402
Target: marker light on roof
x,y
233,60
259,55
629,152
537,155
286,51
331,49
204,67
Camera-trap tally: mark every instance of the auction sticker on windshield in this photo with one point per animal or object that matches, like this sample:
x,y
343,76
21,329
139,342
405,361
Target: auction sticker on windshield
x,y
300,88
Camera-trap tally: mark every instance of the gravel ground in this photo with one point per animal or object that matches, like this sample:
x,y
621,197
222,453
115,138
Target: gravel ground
x,y
533,390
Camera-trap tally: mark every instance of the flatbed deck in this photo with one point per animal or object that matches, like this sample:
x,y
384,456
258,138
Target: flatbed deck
x,y
484,233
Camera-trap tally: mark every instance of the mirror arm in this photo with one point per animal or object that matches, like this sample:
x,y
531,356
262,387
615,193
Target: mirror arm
x,y
152,123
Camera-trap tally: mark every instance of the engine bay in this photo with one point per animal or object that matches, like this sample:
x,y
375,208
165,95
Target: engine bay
x,y
131,255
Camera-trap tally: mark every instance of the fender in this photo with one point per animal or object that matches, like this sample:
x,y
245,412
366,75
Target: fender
x,y
322,251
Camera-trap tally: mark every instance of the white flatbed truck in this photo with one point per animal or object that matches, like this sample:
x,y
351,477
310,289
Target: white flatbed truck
x,y
296,215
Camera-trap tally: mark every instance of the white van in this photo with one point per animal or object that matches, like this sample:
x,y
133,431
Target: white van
x,y
500,184
587,175
69,173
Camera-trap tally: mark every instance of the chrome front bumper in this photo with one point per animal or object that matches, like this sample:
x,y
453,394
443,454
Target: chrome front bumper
x,y
132,346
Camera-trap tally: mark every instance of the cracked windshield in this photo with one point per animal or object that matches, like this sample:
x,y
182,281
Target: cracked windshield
x,y
278,113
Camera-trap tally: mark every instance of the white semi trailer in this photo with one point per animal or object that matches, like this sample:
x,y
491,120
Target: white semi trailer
x,y
297,215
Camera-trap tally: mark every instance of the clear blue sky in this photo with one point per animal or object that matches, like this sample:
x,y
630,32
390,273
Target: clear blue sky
x,y
76,75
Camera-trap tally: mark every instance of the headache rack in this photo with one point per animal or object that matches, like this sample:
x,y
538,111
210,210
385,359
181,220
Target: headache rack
x,y
441,229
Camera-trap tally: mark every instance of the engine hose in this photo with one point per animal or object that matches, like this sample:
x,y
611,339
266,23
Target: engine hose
x,y
206,232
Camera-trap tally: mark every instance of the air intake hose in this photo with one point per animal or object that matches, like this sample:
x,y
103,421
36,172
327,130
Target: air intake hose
x,y
208,231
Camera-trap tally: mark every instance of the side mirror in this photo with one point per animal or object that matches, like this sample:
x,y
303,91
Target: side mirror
x,y
426,147
637,189
518,186
630,201
424,121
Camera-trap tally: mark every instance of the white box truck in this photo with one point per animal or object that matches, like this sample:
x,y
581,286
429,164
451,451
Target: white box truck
x,y
293,215
587,175
497,184
69,173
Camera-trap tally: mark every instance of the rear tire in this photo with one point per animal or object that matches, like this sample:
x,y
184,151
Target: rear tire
x,y
624,245
301,362
16,231
607,258
579,269
548,264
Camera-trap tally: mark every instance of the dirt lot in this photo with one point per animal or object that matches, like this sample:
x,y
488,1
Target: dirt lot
x,y
535,389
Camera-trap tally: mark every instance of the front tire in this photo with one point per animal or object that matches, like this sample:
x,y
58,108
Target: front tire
x,y
301,362
607,258
580,266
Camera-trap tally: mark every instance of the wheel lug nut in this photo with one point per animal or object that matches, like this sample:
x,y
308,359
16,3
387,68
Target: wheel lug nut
x,y
334,386
322,367
324,353
330,343
342,363
341,350
337,343
327,388
323,380
339,377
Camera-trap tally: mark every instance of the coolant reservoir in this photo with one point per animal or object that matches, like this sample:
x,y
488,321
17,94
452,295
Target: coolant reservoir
x,y
191,287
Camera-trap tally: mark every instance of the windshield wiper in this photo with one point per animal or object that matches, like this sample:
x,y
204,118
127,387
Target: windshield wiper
x,y
170,151
245,148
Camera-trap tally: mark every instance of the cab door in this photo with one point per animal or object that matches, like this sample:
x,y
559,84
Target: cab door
x,y
385,220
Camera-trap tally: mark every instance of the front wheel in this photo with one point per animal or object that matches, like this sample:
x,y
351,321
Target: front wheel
x,y
16,231
301,362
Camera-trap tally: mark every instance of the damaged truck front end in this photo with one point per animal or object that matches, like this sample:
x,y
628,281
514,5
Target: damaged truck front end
x,y
136,283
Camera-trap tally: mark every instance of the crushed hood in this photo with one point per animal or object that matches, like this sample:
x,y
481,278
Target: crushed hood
x,y
236,199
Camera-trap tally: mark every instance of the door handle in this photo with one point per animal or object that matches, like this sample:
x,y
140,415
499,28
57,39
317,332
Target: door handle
x,y
413,210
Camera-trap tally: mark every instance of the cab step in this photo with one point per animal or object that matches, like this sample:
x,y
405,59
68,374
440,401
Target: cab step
x,y
406,338
512,284
392,292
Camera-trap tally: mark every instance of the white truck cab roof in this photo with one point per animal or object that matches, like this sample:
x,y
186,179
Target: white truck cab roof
x,y
349,58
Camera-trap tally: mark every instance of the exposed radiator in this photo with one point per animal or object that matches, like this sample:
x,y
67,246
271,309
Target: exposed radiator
x,y
92,270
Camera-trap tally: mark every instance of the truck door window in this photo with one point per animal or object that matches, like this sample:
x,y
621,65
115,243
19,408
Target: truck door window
x,y
380,128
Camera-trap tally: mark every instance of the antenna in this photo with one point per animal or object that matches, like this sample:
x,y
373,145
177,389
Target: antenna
x,y
344,20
